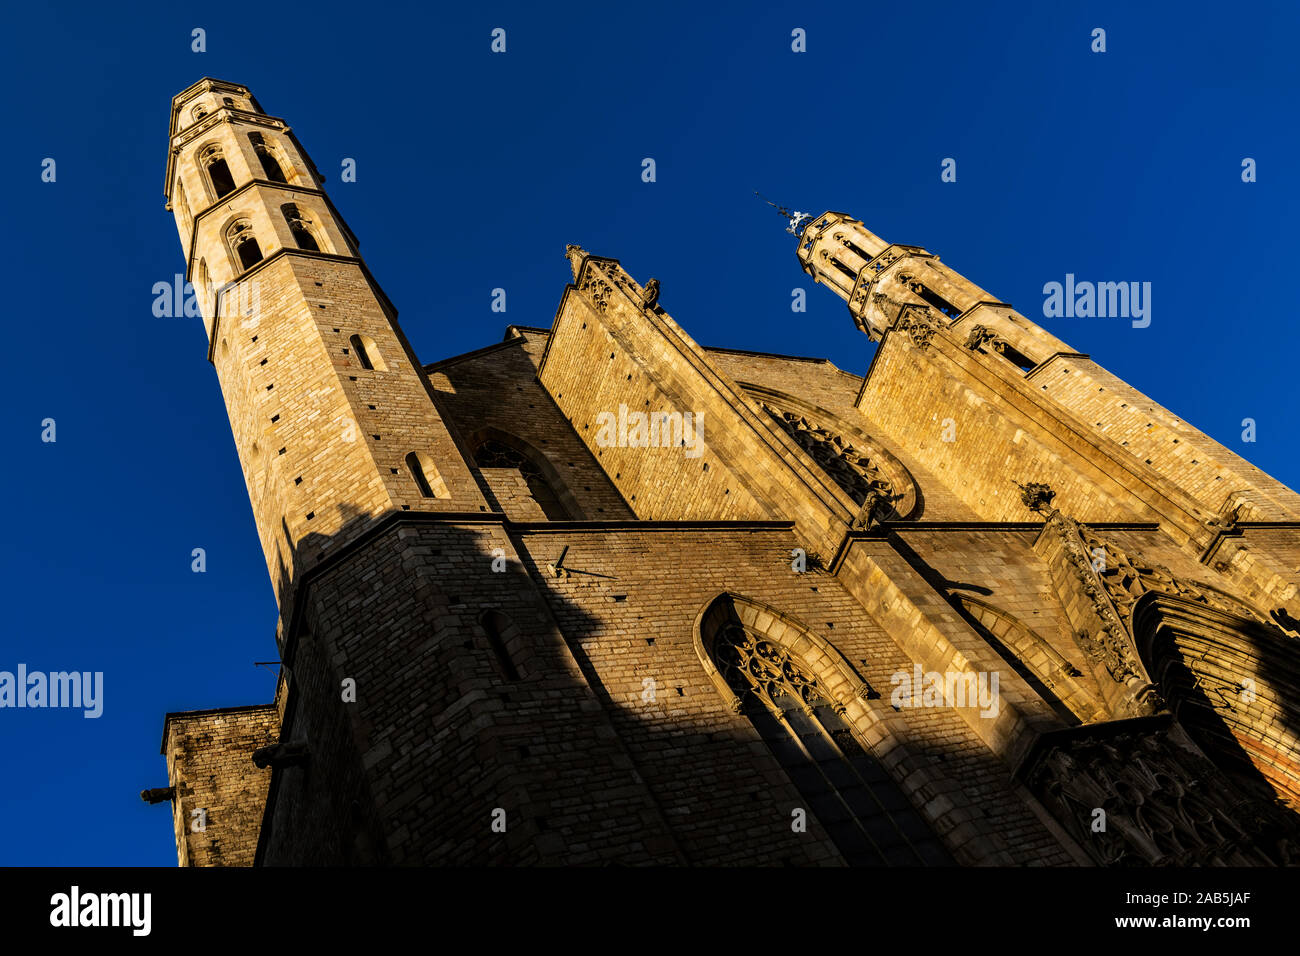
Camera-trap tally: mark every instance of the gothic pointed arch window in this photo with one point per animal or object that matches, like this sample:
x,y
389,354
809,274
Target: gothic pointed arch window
x,y
984,340
244,244
213,162
929,296
494,457
300,226
862,809
266,156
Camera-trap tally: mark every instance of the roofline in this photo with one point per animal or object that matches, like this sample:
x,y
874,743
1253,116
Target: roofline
x,y
432,367
534,330
780,355
184,714
208,79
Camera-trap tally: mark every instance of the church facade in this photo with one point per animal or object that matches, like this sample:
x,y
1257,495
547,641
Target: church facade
x,y
595,594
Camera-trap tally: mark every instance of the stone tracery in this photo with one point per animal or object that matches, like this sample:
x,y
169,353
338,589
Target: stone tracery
x,y
852,470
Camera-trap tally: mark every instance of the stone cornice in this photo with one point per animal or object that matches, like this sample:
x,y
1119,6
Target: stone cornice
x,y
280,253
177,141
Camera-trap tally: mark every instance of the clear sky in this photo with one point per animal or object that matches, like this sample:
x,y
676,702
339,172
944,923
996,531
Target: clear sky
x,y
474,170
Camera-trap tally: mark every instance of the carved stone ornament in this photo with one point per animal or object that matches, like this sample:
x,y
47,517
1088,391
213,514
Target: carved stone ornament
x,y
596,289
1127,577
916,321
1149,798
852,470
1110,645
1037,496
753,666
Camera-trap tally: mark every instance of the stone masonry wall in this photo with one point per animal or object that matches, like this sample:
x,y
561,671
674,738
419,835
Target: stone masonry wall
x,y
210,765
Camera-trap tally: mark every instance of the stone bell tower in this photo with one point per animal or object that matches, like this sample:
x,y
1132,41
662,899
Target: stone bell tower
x,y
332,415
988,399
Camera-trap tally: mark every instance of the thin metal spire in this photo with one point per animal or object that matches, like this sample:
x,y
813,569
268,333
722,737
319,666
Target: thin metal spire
x,y
797,219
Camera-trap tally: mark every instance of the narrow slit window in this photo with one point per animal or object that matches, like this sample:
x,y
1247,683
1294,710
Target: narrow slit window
x,y
367,352
426,476
202,290
183,205
499,630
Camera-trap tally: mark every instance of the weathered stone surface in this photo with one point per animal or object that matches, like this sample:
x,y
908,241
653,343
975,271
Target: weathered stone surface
x,y
518,631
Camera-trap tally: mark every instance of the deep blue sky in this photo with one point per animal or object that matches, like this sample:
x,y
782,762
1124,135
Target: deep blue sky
x,y
475,169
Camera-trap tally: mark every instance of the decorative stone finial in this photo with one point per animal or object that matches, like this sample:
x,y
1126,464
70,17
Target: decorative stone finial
x,y
1037,497
576,256
650,294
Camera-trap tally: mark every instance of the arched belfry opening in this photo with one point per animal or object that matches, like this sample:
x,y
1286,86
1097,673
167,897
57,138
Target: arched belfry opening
x,y
810,716
213,162
266,156
243,243
300,227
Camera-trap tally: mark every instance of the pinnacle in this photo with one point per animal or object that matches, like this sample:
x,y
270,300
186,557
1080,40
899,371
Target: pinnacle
x,y
576,256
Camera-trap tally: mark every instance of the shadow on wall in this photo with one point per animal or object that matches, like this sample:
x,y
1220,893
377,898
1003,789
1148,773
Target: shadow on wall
x,y
1234,685
483,730
473,712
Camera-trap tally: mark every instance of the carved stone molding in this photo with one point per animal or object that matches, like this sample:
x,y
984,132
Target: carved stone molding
x,y
597,277
1102,632
852,470
1140,793
917,322
982,337
1127,577
597,290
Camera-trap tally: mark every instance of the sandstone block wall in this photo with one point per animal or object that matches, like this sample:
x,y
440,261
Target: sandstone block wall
x,y
210,766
